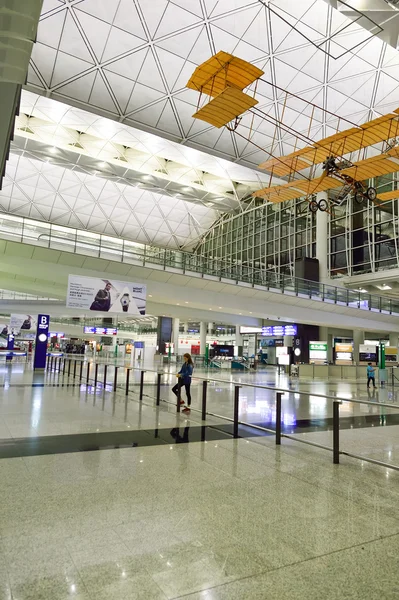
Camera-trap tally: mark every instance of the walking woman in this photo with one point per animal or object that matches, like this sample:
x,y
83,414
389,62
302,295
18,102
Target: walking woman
x,y
184,378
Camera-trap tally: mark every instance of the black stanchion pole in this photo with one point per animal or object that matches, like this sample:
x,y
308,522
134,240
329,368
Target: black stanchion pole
x,y
105,375
95,375
81,370
158,388
278,418
178,401
141,384
204,391
69,367
115,378
64,367
74,368
127,381
88,373
236,409
336,432
50,363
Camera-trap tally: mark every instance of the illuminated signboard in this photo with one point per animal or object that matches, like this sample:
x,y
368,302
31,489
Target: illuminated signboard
x,y
280,330
318,351
100,330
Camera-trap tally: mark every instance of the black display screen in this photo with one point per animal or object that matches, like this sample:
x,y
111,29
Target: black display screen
x,y
224,351
368,357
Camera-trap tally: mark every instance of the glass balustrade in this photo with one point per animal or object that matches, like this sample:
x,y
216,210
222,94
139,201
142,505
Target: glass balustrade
x,y
97,245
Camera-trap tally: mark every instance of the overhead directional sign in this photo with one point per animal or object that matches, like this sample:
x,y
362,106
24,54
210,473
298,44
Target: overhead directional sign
x,y
279,330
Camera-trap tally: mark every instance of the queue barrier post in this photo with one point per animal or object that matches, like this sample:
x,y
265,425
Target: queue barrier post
x,y
74,368
336,432
127,381
278,418
105,375
95,375
204,394
115,378
236,409
158,388
178,401
69,367
141,385
81,370
88,374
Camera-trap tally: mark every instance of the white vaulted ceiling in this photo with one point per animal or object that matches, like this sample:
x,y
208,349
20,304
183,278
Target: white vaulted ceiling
x,y
106,140
131,59
50,192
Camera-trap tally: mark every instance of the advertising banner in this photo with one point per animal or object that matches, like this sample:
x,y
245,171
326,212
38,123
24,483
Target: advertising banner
x,y
106,295
22,323
39,361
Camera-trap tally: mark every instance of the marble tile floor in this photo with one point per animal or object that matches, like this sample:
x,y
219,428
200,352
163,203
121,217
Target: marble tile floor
x,y
219,520
27,411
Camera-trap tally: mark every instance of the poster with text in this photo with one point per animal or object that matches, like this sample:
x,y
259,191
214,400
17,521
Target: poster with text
x,y
106,295
22,323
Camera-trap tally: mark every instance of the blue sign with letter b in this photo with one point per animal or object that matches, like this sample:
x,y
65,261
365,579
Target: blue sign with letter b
x,y
43,323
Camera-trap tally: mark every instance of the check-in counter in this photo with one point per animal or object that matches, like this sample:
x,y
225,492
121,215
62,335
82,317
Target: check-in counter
x,y
349,372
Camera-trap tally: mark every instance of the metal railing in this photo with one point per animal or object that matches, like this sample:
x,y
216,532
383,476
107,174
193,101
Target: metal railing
x,y
63,365
89,244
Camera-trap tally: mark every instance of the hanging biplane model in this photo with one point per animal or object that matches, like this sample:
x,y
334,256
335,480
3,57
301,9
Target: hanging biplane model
x,y
224,77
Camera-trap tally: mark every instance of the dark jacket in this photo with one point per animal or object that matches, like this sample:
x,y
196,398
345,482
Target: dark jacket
x,y
186,372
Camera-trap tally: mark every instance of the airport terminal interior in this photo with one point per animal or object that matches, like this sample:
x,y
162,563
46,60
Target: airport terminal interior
x,y
199,299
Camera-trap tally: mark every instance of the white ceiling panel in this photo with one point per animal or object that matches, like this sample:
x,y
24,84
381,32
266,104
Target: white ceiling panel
x,y
51,192
106,140
130,60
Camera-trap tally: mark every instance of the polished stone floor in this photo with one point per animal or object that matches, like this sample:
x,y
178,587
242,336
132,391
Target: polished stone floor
x,y
140,517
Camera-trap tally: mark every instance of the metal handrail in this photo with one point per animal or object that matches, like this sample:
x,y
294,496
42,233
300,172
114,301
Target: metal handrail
x,y
73,241
272,388
335,449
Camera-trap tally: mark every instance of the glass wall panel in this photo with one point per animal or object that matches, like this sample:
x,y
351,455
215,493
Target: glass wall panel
x,y
64,238
37,233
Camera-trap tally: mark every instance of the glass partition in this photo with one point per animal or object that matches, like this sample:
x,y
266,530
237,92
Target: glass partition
x,y
96,245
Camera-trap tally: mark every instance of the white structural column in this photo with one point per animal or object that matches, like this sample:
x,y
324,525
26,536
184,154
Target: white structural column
x,y
358,338
185,325
393,339
114,337
175,335
322,239
325,336
203,330
210,328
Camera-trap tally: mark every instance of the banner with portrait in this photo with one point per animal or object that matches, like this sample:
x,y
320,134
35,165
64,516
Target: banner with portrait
x,y
22,323
106,295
